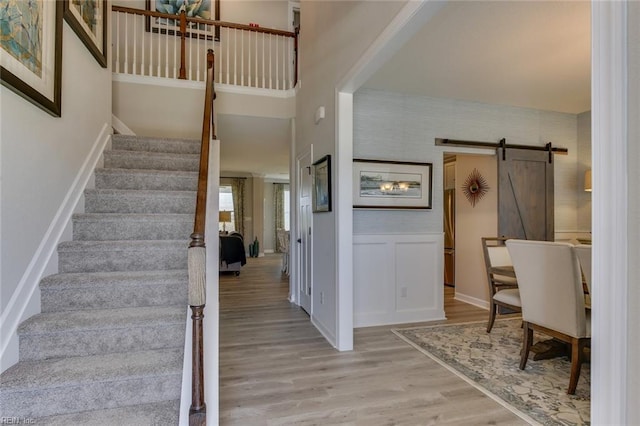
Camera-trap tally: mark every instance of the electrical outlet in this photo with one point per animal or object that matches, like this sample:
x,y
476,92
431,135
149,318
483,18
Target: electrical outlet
x,y
403,292
322,297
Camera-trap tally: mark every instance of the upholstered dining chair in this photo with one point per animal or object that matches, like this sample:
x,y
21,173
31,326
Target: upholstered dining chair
x,y
552,297
503,289
584,256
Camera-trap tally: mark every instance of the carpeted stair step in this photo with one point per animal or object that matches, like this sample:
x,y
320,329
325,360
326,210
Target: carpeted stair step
x,y
165,413
101,331
35,389
120,289
131,201
118,226
151,160
135,143
105,256
163,180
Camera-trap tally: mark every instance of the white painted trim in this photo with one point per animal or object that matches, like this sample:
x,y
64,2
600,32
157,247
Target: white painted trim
x,y
269,251
610,322
22,301
119,126
406,317
344,221
326,333
199,85
404,25
293,217
255,91
480,303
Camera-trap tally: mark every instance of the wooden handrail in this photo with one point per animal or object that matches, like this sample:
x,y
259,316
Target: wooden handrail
x,y
197,282
207,124
204,21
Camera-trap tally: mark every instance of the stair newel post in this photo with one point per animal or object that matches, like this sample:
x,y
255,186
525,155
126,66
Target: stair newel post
x,y
183,48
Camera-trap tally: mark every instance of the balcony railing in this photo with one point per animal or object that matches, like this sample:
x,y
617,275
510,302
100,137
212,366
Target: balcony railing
x,y
154,44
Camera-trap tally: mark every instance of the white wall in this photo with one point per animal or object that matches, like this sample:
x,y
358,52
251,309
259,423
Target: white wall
x,y
41,158
584,164
327,53
633,138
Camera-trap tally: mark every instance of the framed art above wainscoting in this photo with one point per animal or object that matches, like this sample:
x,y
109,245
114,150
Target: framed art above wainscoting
x,y
380,184
31,59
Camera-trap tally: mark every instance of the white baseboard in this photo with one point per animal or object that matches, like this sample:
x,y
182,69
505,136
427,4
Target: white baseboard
x,y
25,300
331,338
385,318
480,303
120,127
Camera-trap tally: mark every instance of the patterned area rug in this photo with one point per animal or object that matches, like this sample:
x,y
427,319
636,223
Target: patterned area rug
x,y
489,361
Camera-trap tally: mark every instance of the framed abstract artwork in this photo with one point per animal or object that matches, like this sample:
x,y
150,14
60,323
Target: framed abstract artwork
x,y
31,44
88,18
321,196
379,184
205,9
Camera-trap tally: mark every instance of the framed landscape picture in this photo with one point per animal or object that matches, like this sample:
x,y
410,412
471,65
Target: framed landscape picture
x,y
205,9
321,197
379,184
88,18
31,57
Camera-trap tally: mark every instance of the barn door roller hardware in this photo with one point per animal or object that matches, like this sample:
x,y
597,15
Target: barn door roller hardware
x,y
503,144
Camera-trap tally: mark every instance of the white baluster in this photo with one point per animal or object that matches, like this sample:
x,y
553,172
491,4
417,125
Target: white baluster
x,y
270,65
135,47
144,41
290,62
227,38
166,52
126,43
159,52
263,60
117,55
277,63
235,56
242,57
175,51
198,58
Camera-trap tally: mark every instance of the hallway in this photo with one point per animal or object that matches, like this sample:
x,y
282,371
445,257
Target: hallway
x,y
276,368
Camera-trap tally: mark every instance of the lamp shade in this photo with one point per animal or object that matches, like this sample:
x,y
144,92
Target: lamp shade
x,y
224,216
587,180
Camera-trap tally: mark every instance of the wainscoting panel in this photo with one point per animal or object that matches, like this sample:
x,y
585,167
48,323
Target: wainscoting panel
x,y
398,278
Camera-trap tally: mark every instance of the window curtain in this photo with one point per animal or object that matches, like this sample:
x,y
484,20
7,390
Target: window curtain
x,y
237,192
278,202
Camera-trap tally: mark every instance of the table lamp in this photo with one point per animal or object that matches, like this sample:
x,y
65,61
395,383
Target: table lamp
x,y
224,217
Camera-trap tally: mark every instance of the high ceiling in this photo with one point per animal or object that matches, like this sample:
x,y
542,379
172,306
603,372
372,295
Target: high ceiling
x,y
532,54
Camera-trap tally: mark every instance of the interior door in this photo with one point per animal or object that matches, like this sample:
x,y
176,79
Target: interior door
x,y
525,194
304,232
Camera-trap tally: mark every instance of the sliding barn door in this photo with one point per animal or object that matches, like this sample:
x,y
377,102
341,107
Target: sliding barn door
x,y
525,194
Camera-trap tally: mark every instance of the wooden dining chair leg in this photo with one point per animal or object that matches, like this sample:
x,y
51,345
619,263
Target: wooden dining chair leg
x,y
577,356
492,316
526,344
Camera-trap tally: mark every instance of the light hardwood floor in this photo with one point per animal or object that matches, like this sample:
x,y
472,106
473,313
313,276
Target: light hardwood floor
x,y
276,368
